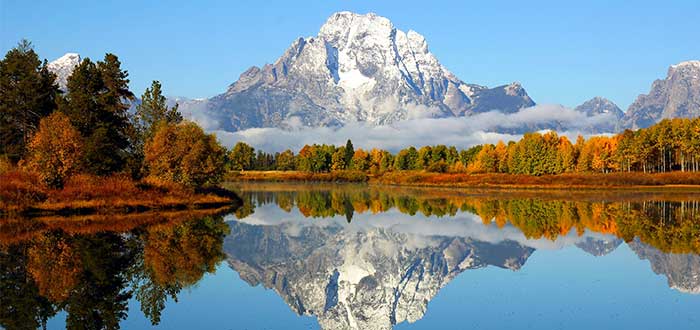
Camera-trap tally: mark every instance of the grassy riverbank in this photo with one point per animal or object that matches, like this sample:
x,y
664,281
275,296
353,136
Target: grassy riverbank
x,y
422,178
23,193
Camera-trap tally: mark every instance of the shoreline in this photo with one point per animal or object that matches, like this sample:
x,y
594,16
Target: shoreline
x,y
21,195
587,181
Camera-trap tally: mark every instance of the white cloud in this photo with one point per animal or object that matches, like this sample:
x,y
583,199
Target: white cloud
x,y
462,132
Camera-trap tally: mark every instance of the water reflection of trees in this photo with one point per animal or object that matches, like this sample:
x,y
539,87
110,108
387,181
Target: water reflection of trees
x,y
92,276
671,224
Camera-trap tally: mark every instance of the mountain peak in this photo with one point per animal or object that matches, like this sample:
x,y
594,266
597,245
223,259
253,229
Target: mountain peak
x,y
347,19
693,64
68,57
347,30
515,89
600,105
63,67
359,68
687,68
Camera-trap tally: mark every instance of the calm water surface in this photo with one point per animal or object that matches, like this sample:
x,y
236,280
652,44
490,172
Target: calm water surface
x,y
357,257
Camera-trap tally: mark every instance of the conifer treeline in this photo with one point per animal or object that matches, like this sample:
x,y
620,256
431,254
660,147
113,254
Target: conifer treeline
x,y
671,145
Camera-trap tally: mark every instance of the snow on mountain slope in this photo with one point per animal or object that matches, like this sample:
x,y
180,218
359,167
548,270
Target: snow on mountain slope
x,y
63,67
359,68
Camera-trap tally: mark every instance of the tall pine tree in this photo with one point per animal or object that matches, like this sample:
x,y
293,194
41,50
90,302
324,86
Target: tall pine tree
x,y
27,93
154,110
97,103
349,153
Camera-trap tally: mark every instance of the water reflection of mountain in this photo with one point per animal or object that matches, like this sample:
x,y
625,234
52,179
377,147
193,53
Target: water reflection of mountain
x,y
681,270
369,259
598,247
354,278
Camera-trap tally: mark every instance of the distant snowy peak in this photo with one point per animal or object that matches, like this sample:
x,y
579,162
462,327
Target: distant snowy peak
x,y
599,105
63,68
359,68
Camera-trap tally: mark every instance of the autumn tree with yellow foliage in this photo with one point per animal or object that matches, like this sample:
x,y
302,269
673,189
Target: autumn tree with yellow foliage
x,y
184,154
56,150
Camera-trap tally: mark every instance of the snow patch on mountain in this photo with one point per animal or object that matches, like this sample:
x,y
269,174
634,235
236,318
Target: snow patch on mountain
x,y
63,67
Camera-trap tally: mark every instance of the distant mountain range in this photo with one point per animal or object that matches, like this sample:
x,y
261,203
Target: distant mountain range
x,y
360,68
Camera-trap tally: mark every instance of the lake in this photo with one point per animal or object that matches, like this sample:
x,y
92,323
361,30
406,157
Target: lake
x,y
298,256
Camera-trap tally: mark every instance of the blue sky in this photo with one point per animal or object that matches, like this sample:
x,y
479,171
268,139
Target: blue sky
x,y
562,52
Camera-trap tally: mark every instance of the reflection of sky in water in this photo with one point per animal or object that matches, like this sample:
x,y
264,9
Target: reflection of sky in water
x,y
560,286
565,289
220,301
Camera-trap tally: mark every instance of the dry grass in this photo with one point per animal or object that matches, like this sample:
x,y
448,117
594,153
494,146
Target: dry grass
x,y
22,192
574,180
422,178
20,189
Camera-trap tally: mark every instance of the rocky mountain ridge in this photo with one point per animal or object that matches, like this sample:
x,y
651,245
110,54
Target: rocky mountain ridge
x,y
676,96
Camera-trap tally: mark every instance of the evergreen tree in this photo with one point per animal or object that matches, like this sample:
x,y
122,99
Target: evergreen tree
x,y
150,114
28,92
349,153
153,110
82,104
97,104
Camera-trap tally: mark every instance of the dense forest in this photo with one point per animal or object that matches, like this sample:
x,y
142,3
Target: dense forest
x,y
671,145
96,128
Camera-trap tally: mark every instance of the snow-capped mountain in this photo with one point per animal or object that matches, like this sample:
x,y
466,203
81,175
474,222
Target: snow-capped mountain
x,y
63,67
677,96
358,68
